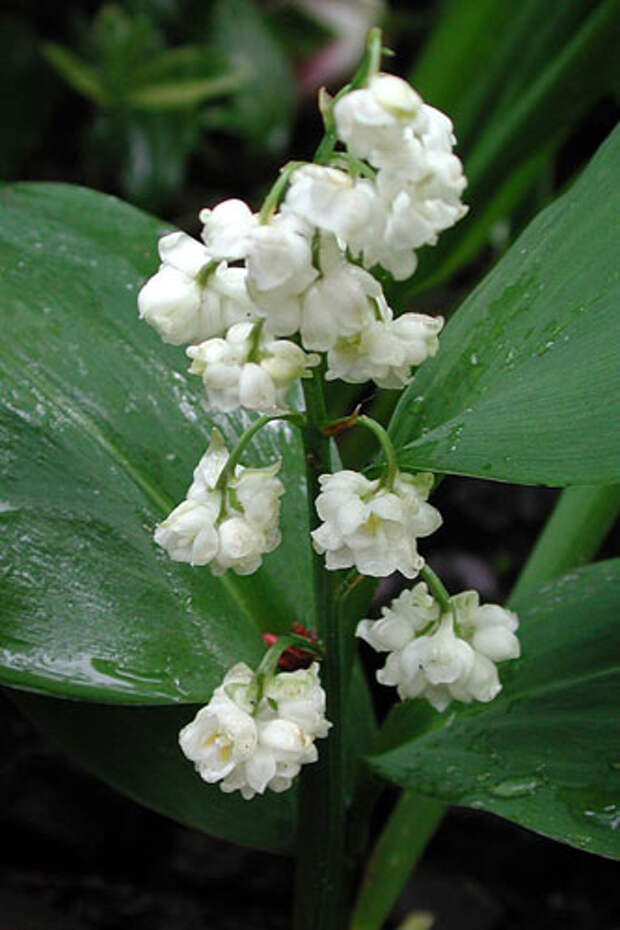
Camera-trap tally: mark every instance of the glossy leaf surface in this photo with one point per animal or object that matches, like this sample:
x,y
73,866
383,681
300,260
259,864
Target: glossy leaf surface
x,y
100,431
526,384
546,752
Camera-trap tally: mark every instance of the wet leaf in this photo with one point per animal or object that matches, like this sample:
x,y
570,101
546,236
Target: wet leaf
x,y
526,383
546,752
101,429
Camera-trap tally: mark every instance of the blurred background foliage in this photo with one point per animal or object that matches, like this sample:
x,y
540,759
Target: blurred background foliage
x,y
173,105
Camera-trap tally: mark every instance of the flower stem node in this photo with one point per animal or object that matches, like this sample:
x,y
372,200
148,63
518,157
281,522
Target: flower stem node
x,y
256,733
225,527
442,655
373,527
193,296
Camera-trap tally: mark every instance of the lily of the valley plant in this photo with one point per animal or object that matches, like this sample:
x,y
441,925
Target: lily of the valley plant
x,y
293,291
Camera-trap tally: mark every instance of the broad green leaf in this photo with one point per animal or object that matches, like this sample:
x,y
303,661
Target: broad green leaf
x,y
262,110
135,749
100,431
546,752
526,384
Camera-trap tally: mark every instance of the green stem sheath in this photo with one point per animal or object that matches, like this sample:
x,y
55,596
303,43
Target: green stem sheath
x,y
320,883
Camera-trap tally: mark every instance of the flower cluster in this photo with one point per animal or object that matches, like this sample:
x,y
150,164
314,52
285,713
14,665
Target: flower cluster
x,y
265,299
299,266
373,527
191,297
442,655
418,182
256,733
225,527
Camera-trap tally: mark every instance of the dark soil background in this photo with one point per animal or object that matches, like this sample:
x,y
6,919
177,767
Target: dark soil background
x,y
77,856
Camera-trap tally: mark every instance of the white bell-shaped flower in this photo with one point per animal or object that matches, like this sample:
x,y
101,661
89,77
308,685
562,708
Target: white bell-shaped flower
x,y
243,370
300,698
228,527
221,737
412,611
331,200
190,299
250,739
371,120
336,304
280,268
188,533
227,229
371,527
384,350
442,657
280,256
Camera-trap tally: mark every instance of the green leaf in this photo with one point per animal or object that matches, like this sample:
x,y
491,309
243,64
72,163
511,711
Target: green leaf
x,y
526,383
546,752
400,845
571,537
77,73
100,430
262,110
135,749
174,94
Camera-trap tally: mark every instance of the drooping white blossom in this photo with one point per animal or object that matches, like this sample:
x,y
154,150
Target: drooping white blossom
x,y
249,739
371,527
384,350
338,302
419,181
229,527
239,371
332,200
277,254
227,229
442,656
191,297
371,120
